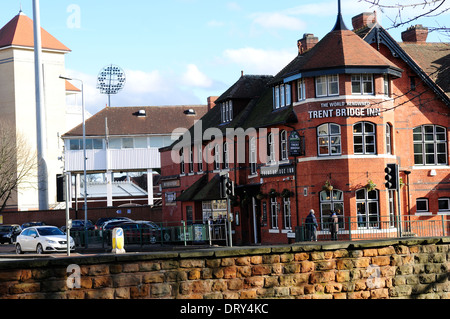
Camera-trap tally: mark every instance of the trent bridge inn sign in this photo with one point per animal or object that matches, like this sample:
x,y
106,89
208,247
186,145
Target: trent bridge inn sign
x,y
352,109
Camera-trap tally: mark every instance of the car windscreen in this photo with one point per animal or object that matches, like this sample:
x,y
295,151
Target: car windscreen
x,y
5,228
49,231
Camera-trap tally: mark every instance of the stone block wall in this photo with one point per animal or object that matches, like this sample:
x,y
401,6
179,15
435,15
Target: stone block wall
x,y
410,268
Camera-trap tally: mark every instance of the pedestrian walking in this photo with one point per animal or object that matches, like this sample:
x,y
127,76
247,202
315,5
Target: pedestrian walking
x,y
311,226
334,225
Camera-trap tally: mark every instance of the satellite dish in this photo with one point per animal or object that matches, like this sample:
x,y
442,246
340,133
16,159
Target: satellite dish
x,y
111,80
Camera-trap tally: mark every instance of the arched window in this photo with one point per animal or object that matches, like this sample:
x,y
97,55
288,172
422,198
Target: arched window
x,y
364,138
283,145
367,208
329,201
329,139
430,145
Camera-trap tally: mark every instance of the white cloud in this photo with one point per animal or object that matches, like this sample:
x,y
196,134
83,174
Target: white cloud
x,y
233,6
195,78
142,88
259,61
277,20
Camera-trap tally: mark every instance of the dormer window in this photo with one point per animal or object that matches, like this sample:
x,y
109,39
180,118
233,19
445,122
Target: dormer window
x,y
327,85
227,111
282,96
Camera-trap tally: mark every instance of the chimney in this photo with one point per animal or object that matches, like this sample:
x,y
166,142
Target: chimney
x,y
212,102
416,33
307,42
365,19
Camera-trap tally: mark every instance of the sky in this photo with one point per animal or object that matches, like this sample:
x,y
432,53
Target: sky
x,y
179,52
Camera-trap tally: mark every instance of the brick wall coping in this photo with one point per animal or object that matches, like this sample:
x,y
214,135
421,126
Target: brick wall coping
x,y
215,252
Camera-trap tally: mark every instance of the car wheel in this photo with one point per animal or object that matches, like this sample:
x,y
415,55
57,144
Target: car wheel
x,y
19,250
39,249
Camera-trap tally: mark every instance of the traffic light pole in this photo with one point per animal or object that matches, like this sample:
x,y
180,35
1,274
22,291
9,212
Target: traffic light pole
x,y
393,183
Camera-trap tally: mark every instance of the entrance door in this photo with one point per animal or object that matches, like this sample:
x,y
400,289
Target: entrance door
x,y
256,220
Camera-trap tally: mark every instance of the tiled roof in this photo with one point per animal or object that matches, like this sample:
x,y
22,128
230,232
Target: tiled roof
x,y
247,86
126,120
71,88
338,49
19,32
433,59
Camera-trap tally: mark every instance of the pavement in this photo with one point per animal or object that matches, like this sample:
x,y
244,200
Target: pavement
x,y
8,252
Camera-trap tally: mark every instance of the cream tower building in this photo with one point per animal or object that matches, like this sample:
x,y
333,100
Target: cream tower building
x,y
18,103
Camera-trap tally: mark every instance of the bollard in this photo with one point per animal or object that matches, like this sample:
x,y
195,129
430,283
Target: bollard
x,y
118,242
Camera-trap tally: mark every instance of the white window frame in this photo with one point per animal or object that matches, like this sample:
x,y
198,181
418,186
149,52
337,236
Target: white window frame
x,y
287,214
365,136
284,146
367,203
328,138
200,157
271,148
430,138
273,213
422,200
252,146
446,202
325,84
301,94
362,79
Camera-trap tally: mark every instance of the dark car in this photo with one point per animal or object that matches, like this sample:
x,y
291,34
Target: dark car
x,y
101,221
78,225
9,233
140,232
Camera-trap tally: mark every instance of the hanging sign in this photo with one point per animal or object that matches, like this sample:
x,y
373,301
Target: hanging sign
x,y
295,144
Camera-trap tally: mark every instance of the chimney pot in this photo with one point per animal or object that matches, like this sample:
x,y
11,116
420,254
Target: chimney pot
x,y
416,33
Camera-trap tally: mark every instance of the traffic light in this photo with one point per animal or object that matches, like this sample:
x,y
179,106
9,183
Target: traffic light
x,y
391,177
227,187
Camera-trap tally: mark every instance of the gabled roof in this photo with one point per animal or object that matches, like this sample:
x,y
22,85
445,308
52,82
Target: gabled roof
x,y
19,32
131,121
430,61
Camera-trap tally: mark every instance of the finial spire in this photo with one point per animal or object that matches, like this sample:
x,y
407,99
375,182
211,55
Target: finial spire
x,y
340,25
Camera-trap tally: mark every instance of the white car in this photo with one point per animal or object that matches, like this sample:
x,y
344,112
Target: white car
x,y
41,239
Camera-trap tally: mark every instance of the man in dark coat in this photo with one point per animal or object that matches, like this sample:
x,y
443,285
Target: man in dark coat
x,y
311,226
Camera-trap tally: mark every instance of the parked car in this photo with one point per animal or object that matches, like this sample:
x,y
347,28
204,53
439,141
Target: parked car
x,y
101,221
31,224
140,232
41,239
78,225
9,233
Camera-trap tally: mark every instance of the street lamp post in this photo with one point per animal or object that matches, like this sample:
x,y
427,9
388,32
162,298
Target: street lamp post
x,y
84,155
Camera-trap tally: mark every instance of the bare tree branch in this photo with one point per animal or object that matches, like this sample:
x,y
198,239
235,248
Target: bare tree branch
x,y
17,162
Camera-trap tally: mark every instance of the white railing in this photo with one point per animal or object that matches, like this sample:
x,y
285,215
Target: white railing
x,y
138,159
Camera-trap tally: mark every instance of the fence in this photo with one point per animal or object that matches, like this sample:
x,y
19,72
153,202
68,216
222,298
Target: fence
x,y
158,234
379,227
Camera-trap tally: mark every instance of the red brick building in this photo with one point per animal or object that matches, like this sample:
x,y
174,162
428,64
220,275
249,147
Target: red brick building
x,y
319,135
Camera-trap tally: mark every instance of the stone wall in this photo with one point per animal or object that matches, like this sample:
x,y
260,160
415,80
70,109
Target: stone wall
x,y
410,268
